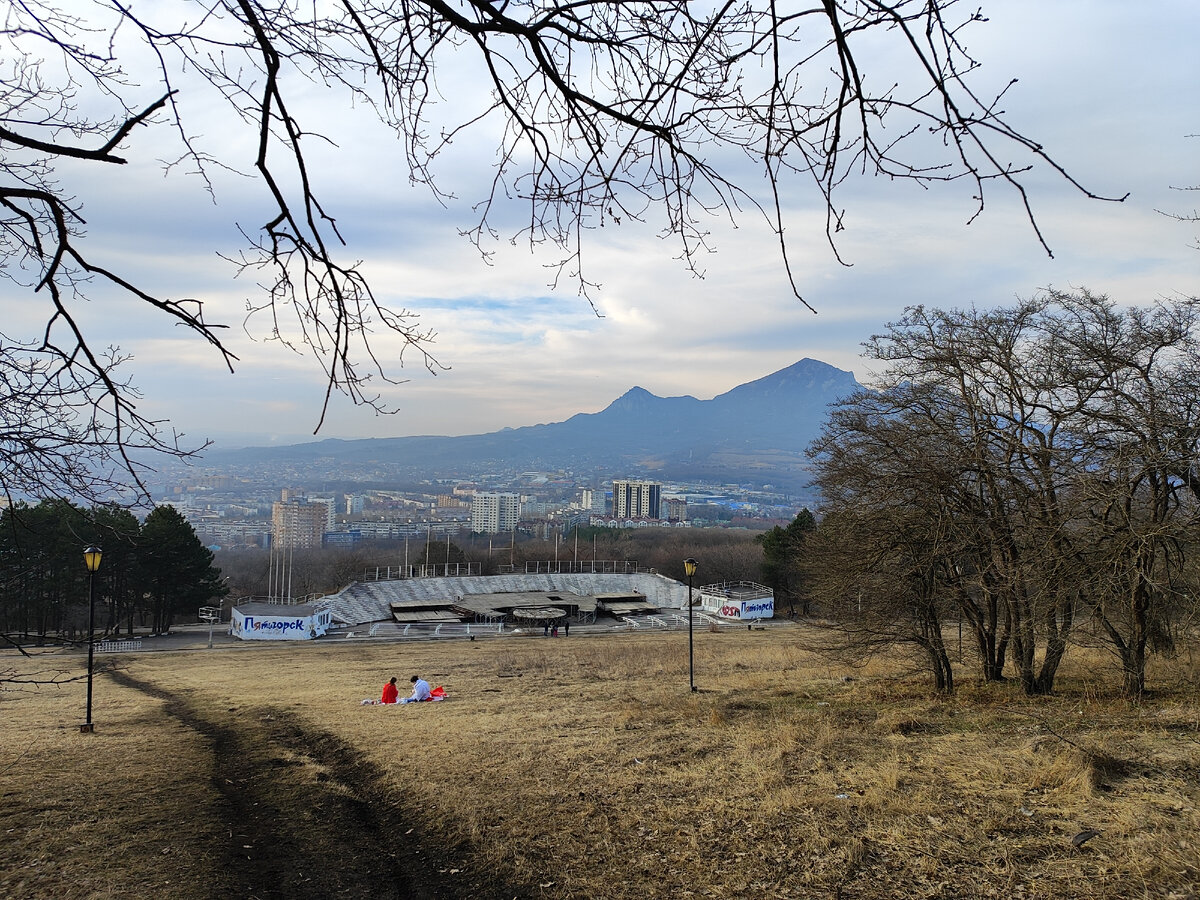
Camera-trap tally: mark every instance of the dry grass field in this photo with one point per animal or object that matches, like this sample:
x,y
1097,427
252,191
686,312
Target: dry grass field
x,y
584,768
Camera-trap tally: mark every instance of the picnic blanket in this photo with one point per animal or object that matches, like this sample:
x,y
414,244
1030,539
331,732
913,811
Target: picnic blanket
x,y
438,693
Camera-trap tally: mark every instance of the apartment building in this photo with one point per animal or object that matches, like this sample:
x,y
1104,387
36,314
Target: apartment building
x,y
593,501
636,499
493,512
675,509
298,524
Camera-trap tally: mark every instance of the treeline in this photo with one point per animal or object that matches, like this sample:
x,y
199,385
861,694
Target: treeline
x,y
723,555
150,571
1031,472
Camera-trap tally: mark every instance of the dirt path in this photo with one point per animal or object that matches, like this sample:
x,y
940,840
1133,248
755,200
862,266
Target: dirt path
x,y
307,816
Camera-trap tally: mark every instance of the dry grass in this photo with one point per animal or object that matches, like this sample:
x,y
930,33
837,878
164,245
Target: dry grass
x,y
584,768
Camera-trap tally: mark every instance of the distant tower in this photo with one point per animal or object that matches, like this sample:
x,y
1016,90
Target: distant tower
x,y
330,505
636,499
492,512
675,509
298,524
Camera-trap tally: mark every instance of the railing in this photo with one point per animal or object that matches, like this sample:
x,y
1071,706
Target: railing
x,y
281,600
118,646
417,630
433,570
738,590
574,567
677,621
467,629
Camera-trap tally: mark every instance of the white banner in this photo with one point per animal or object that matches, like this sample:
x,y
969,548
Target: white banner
x,y
747,609
250,627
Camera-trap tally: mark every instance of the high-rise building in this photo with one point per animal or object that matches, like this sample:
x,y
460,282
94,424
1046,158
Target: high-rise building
x,y
330,505
298,524
675,508
593,501
493,512
636,499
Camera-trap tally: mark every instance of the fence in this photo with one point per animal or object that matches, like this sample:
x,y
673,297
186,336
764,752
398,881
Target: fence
x,y
118,646
280,600
433,570
677,621
574,567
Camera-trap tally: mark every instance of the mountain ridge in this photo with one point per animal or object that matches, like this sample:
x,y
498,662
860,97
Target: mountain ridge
x,y
760,427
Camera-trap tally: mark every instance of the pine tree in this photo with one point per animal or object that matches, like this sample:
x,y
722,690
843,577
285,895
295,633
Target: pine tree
x,y
178,573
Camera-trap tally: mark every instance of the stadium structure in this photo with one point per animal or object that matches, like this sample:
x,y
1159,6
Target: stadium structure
x,y
531,600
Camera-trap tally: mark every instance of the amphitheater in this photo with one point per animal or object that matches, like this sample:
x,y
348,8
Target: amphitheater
x,y
447,599
386,605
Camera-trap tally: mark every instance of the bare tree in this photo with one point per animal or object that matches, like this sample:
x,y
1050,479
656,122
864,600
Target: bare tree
x,y
1140,370
69,424
1192,217
669,112
876,576
1049,453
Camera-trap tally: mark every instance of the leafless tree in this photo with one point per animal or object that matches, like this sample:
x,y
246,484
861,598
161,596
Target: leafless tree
x,y
14,679
1139,369
876,577
69,423
1051,449
1192,217
901,461
667,112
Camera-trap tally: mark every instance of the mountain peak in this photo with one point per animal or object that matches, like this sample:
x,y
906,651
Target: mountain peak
x,y
640,400
806,376
633,400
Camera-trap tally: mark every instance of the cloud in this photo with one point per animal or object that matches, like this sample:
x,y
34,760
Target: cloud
x,y
1109,93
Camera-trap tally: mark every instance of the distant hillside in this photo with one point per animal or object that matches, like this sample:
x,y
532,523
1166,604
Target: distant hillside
x,y
755,432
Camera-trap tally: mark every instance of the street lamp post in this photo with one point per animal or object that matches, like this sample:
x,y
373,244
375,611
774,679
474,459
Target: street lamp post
x,y
689,566
213,615
91,558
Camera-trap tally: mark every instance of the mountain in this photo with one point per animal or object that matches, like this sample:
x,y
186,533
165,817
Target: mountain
x,y
755,432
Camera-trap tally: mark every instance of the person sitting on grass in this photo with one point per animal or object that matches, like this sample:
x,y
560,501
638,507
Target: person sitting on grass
x,y
420,690
391,693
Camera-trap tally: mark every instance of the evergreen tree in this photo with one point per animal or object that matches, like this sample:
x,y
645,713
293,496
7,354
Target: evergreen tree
x,y
44,581
782,548
119,580
178,574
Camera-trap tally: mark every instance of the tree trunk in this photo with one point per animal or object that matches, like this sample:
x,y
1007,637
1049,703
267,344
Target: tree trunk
x,y
1133,656
939,666
1057,623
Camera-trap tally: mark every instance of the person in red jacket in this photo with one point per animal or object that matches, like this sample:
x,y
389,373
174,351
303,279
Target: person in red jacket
x,y
390,692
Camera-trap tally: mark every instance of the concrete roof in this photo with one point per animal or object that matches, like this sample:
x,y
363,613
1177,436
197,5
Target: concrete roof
x,y
374,601
262,608
508,601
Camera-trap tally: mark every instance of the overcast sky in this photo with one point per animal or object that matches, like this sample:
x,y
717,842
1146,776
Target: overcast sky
x,y
1109,88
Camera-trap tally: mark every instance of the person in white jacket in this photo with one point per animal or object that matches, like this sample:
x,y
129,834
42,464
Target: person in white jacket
x,y
420,690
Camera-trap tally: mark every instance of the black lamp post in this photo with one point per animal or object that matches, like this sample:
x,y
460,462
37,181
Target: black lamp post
x,y
689,566
91,558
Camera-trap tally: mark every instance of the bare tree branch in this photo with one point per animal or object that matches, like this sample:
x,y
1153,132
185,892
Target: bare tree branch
x,y
669,113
